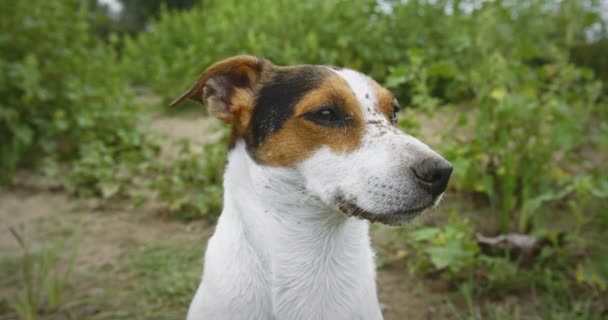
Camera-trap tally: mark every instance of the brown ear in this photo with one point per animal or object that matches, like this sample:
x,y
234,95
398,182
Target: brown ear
x,y
227,86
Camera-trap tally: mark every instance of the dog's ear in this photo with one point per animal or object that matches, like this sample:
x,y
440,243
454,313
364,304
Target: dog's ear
x,y
228,86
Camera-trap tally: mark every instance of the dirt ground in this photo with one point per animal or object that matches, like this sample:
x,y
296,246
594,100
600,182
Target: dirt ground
x,y
109,237
111,234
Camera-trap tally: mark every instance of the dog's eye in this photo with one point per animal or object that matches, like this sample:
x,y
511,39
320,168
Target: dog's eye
x,y
328,116
395,112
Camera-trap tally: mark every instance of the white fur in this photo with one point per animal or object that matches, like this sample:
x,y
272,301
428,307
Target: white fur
x,y
282,249
377,177
280,253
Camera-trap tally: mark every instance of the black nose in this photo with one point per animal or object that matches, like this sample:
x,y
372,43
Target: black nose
x,y
433,174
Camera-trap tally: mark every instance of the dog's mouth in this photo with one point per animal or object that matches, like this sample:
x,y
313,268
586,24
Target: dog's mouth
x,y
399,217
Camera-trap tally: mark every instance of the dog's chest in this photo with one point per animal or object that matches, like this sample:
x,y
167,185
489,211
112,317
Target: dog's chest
x,y
325,274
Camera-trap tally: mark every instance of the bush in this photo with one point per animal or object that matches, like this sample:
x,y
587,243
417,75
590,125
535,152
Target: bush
x,y
366,35
525,135
62,91
179,45
529,140
67,101
191,183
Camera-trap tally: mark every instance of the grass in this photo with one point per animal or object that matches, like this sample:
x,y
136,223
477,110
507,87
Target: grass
x,y
549,307
155,278
174,270
156,281
550,304
43,278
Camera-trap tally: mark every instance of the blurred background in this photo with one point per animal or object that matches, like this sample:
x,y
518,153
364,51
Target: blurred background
x,y
107,196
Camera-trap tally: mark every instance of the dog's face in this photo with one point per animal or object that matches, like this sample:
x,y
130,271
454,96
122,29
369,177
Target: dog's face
x,y
336,128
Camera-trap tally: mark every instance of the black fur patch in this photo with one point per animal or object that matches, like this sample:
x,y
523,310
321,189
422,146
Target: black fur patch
x,y
277,97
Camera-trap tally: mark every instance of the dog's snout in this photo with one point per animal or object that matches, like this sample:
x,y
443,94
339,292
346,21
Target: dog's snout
x,y
433,174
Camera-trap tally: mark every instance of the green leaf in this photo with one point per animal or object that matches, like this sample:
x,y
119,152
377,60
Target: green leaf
x,y
425,234
442,257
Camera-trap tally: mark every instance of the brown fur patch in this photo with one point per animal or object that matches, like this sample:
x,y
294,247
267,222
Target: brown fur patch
x,y
242,71
385,100
241,107
228,88
300,137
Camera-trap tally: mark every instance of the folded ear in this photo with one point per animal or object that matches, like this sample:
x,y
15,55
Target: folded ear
x,y
227,86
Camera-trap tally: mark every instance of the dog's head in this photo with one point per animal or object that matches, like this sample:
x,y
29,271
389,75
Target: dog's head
x,y
335,127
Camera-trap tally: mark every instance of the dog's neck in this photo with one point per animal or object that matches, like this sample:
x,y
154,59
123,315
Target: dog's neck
x,y
316,257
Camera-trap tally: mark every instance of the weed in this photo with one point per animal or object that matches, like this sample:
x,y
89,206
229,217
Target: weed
x,y
44,278
167,274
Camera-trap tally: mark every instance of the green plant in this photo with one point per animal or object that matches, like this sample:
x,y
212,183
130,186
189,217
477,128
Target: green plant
x,y
67,105
215,30
448,248
167,274
44,278
528,123
413,78
366,35
191,184
63,92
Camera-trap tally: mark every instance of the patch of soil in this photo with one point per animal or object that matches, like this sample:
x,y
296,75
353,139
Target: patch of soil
x,y
104,237
405,297
107,237
21,208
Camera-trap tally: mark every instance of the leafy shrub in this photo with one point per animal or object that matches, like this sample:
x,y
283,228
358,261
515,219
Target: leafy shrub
x,y
366,35
556,274
529,112
449,248
178,46
61,89
529,138
191,184
188,184
66,100
525,133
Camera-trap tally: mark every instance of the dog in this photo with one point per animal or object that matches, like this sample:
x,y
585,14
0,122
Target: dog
x,y
315,155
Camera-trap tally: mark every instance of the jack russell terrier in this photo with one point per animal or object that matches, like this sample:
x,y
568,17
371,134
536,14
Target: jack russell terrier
x,y
315,155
